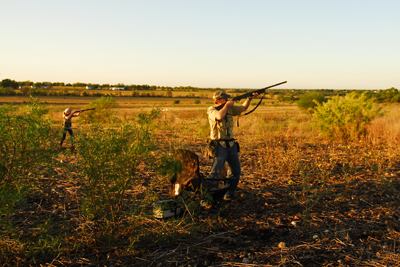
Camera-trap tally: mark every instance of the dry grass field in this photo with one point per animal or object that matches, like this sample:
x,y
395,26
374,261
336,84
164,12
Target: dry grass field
x,y
304,199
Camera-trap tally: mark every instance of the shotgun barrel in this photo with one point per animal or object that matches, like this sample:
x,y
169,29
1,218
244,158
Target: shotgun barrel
x,y
83,110
259,91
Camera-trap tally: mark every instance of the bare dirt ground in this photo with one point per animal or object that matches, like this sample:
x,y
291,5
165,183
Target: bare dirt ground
x,y
279,219
350,224
353,224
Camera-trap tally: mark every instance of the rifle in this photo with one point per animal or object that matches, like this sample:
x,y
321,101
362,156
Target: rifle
x,y
82,110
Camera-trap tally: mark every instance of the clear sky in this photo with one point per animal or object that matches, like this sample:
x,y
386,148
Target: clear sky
x,y
313,44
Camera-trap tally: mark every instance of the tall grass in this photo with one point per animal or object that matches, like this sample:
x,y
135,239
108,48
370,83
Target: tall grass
x,y
385,129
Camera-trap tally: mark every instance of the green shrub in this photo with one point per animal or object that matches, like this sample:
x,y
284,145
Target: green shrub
x,y
38,92
197,101
345,118
103,111
7,91
389,95
108,160
308,100
289,99
177,101
26,142
396,99
25,90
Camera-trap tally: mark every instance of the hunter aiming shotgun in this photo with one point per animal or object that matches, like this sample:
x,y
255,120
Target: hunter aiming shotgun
x,y
246,95
67,124
222,146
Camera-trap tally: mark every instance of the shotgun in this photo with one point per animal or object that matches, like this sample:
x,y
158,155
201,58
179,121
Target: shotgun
x,y
246,95
259,91
82,110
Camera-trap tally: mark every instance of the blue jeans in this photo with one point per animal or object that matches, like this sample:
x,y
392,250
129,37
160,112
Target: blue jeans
x,y
231,156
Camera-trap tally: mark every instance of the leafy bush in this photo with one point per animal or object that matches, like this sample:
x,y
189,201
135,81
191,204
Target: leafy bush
x,y
26,140
389,95
103,111
109,159
396,99
39,92
7,91
345,118
25,90
197,101
308,100
177,101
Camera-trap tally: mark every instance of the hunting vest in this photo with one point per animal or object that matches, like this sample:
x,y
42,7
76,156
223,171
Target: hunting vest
x,y
222,130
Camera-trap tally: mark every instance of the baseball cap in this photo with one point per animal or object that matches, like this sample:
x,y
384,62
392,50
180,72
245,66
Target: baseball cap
x,y
220,95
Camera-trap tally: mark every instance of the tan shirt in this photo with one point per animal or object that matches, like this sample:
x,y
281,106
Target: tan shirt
x,y
223,129
67,121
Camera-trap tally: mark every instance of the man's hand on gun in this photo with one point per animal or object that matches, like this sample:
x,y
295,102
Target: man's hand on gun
x,y
253,96
233,101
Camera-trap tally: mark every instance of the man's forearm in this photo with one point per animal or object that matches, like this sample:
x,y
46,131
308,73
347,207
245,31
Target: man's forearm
x,y
221,113
246,104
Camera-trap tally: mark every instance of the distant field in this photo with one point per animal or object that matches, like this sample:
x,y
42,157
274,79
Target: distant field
x,y
124,102
129,106
83,100
201,94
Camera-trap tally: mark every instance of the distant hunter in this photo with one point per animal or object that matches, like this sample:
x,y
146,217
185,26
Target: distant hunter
x,y
67,116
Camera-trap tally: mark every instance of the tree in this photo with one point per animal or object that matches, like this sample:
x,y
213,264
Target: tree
x,y
58,84
26,83
78,84
7,83
25,90
169,93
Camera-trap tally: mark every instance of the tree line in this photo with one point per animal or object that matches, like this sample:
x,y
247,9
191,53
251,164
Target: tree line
x,y
16,84
7,87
